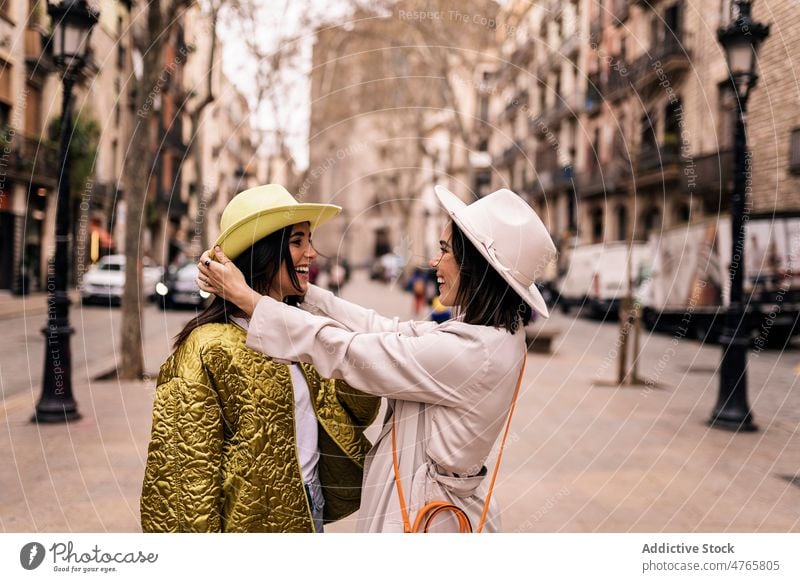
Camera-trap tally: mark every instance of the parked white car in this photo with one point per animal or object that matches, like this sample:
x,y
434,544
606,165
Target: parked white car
x,y
104,282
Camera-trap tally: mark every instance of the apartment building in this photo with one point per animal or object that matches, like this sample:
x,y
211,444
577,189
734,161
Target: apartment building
x,y
615,118
30,99
774,114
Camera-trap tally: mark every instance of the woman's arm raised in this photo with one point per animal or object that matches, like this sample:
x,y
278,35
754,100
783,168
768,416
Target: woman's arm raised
x,y
441,367
356,318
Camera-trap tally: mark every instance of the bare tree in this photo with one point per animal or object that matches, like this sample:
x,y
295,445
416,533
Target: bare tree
x,y
156,30
276,67
195,113
150,41
409,71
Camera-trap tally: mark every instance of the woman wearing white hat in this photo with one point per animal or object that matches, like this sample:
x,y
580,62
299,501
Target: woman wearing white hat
x,y
241,442
450,386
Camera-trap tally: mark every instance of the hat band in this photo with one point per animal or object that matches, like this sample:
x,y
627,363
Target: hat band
x,y
520,277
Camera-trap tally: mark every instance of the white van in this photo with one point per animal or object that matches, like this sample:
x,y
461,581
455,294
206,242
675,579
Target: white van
x,y
597,277
689,287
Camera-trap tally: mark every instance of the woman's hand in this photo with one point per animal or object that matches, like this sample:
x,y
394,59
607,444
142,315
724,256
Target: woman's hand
x,y
224,279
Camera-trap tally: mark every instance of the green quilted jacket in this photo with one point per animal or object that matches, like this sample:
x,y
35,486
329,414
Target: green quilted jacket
x,y
222,454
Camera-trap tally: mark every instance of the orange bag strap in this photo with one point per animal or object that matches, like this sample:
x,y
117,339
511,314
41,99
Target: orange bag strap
x,y
502,444
403,510
438,506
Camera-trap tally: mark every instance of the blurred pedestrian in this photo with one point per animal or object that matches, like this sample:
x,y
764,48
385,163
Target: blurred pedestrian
x,y
439,312
242,442
450,386
418,285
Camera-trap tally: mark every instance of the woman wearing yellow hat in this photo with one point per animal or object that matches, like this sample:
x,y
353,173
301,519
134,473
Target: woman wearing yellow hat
x,y
450,386
242,442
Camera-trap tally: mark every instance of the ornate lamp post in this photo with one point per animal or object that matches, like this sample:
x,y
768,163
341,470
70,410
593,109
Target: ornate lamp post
x,y
72,27
741,40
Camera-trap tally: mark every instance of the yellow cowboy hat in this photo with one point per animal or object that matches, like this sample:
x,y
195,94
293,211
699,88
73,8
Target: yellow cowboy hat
x,y
255,213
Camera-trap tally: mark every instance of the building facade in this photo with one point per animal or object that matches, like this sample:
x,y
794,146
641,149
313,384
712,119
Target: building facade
x,y
395,112
615,119
30,101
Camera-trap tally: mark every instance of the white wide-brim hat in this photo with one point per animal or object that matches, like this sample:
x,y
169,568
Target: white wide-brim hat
x,y
509,235
258,212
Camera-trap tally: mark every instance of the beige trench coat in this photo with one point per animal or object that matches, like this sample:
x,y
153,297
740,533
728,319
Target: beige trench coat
x,y
449,387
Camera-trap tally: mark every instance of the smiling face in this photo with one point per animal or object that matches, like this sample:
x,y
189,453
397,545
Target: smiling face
x,y
447,271
303,254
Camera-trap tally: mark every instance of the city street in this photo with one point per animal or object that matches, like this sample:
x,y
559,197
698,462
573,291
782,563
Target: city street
x,y
581,456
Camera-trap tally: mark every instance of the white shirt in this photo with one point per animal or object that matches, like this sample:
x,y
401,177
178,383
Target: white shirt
x,y
305,420
306,427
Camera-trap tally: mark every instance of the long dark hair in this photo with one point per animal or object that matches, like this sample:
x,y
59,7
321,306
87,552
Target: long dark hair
x,y
483,296
260,265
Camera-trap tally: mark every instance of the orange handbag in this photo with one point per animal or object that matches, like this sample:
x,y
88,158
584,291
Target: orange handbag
x,y
432,509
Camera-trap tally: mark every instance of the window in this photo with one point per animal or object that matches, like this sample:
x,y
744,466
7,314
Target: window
x,y
682,213
794,152
597,225
651,221
558,88
33,110
6,78
648,134
542,97
5,117
622,222
672,123
672,21
595,153
5,10
655,31
572,211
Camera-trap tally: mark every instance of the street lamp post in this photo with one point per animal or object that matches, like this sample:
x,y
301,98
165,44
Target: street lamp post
x,y
72,27
741,40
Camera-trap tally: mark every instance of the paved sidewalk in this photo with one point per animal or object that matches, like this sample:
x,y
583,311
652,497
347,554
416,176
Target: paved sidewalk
x,y
27,305
580,457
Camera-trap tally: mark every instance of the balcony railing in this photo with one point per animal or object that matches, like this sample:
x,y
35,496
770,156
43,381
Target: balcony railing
x,y
620,10
618,79
508,156
596,30
652,66
712,172
174,138
658,158
30,158
563,178
595,180
593,98
523,53
518,101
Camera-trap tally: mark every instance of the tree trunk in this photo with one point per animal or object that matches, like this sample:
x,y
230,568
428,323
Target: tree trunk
x,y
206,196
132,364
137,173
